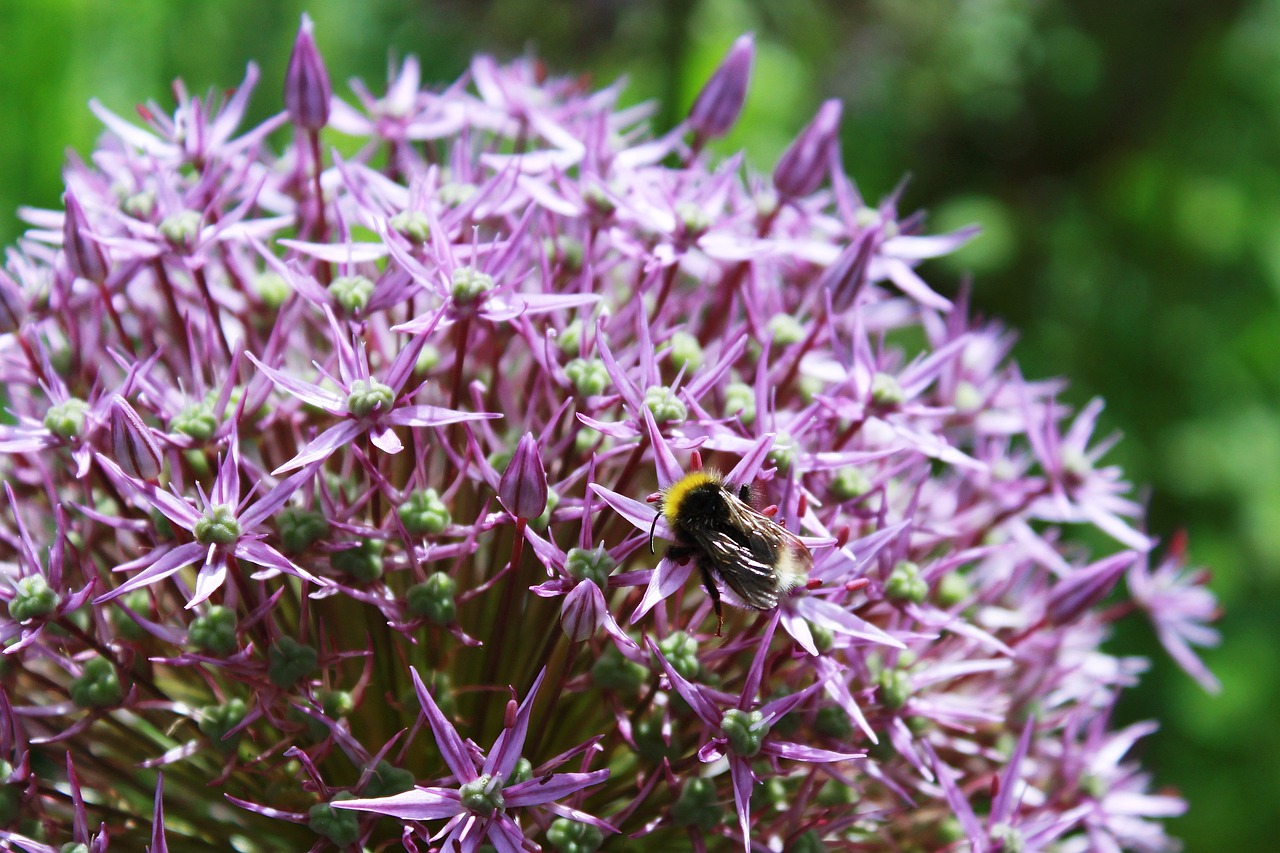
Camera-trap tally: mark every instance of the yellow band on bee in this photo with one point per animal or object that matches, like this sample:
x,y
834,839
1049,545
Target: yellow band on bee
x,y
675,493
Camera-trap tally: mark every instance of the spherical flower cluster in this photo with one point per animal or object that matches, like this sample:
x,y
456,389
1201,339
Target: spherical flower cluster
x,y
330,471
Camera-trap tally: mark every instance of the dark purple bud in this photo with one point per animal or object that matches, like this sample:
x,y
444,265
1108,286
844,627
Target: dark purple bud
x,y
523,487
804,164
847,275
84,256
135,448
720,101
1081,590
13,307
306,84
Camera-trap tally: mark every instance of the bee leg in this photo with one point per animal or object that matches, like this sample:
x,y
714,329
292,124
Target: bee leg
x,y
678,554
709,584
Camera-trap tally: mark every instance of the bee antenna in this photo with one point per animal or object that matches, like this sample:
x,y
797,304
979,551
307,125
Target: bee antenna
x,y
652,528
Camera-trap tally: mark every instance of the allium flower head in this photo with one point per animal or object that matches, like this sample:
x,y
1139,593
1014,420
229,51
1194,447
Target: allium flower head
x,y
326,476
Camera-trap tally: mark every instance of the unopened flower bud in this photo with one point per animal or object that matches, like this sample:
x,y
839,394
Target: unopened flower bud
x,y
720,102
387,780
434,599
698,805
66,419
13,307
745,730
32,599
805,163
847,275
306,86
352,292
340,826
214,632
98,685
136,450
424,513
412,224
289,662
84,256
523,487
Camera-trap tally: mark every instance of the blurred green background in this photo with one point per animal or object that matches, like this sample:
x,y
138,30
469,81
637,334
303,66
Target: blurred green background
x,y
1123,158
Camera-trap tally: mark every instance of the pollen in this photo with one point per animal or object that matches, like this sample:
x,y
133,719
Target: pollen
x,y
674,494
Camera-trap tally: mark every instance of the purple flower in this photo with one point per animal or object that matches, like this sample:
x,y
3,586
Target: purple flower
x,y
503,318
306,85
225,529
479,807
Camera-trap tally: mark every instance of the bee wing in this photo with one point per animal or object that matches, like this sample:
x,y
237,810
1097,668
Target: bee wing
x,y
747,551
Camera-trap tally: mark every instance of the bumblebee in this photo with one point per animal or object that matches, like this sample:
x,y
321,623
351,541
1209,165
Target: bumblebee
x,y
756,558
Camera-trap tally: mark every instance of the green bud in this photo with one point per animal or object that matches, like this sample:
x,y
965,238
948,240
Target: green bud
x,y
73,847
594,565
218,526
522,772
785,330
664,406
822,637
553,501
833,722
182,229
740,400
289,661
588,376
352,292
766,202
570,836
952,589
195,420
455,194
363,562
681,651
850,483
686,352
470,284
835,794
433,599
340,826
139,205
368,397
698,805
33,599
427,359
214,632
784,450
482,796
387,780
595,196
885,391
424,513
217,720
905,584
570,338
568,251
651,743
968,400
412,224
272,289
336,704
951,830
693,217
614,671
895,688
98,686
66,419
123,624
808,842
300,528
1008,838
745,730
